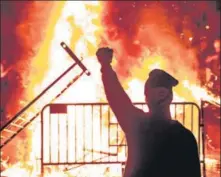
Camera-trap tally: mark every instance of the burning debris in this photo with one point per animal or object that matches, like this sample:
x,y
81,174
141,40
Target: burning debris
x,y
144,35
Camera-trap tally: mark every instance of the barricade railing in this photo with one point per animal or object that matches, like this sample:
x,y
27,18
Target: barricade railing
x,y
89,134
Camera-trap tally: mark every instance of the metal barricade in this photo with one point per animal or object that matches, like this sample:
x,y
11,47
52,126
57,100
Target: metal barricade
x,y
88,133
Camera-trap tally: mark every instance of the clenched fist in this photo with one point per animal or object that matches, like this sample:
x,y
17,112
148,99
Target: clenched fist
x,y
104,55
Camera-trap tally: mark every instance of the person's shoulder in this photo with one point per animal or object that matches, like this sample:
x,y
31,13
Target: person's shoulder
x,y
182,132
178,127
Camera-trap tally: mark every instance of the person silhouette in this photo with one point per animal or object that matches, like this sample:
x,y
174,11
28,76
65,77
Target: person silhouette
x,y
157,145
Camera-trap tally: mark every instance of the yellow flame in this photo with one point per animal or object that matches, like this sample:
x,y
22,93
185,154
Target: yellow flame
x,y
200,93
78,24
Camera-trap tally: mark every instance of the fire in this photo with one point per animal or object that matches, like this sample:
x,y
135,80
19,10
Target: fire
x,y
201,93
78,24
16,171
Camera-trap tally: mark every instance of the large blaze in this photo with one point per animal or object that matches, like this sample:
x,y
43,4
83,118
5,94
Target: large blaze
x,y
142,40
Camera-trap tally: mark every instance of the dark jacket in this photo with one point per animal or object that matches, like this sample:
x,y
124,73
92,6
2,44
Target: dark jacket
x,y
156,147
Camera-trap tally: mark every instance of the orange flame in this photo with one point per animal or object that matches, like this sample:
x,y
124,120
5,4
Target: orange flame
x,y
78,24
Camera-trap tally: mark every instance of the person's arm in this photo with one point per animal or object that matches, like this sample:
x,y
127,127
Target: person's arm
x,y
119,101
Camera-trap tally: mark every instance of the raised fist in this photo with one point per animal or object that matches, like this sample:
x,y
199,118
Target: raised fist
x,y
104,55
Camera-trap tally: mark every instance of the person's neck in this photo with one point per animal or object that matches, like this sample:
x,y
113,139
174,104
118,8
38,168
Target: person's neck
x,y
161,113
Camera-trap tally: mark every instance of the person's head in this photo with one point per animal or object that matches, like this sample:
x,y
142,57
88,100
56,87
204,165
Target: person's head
x,y
158,90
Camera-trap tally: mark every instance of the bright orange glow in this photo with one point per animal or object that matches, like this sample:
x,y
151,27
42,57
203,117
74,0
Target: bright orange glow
x,y
78,24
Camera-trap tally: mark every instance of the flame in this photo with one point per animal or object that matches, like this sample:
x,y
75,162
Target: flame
x,y
200,93
78,24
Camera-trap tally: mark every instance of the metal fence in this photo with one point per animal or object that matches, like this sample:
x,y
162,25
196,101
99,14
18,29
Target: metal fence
x,y
88,133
